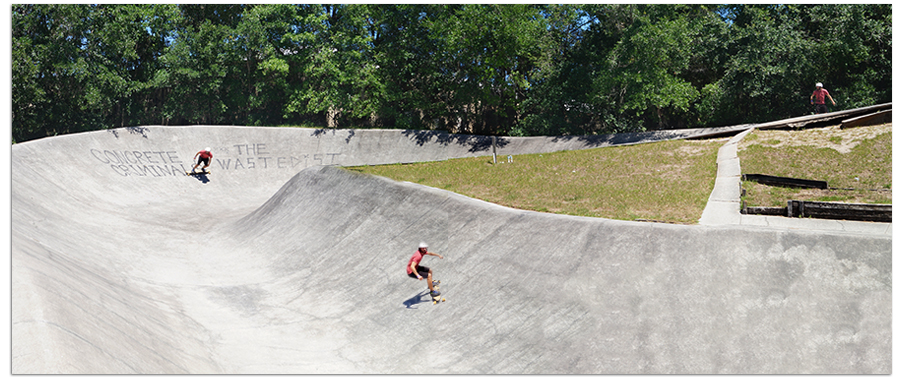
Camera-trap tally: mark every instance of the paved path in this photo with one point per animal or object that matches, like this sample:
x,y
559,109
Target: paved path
x,y
279,263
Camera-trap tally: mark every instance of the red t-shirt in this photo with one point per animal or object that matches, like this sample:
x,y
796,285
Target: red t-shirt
x,y
417,257
819,96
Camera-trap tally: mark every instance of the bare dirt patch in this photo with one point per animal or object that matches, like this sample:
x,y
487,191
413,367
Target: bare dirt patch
x,y
833,137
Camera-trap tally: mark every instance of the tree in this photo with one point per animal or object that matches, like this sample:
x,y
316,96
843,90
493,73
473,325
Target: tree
x,y
196,64
125,43
487,58
337,73
852,51
28,96
626,68
562,80
260,51
781,51
475,68
770,67
80,67
648,71
52,70
405,59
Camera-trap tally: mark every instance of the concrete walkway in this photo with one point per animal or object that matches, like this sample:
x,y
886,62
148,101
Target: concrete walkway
x,y
724,204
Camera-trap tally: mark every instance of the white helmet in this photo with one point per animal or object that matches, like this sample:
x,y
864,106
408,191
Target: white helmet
x,y
819,84
208,149
423,245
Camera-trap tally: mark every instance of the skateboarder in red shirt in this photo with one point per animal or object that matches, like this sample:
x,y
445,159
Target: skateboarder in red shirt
x,y
203,157
414,270
818,99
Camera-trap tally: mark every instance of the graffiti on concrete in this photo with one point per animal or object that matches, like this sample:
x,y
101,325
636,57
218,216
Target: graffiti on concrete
x,y
240,157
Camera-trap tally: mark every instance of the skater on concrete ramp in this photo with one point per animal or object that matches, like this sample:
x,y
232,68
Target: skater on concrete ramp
x,y
203,157
415,270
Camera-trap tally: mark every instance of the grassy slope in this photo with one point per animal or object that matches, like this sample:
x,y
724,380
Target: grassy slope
x,y
864,164
666,181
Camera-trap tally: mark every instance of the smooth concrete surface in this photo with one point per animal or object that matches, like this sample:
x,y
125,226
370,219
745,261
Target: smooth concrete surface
x,y
278,263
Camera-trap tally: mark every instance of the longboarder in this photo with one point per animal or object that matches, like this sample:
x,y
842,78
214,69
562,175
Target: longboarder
x,y
203,157
417,271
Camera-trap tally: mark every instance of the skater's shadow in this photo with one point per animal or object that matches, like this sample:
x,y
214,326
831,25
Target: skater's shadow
x,y
201,177
422,297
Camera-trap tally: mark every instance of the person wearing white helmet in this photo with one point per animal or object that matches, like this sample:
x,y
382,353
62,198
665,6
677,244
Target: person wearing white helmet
x,y
418,271
203,157
818,99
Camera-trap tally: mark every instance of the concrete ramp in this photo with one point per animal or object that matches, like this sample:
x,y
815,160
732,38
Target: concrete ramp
x,y
120,264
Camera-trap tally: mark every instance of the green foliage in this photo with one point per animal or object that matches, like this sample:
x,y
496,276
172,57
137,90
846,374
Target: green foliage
x,y
516,69
484,58
337,75
642,70
781,51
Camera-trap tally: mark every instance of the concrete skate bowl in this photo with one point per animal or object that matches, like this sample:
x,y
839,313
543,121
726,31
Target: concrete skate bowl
x,y
278,263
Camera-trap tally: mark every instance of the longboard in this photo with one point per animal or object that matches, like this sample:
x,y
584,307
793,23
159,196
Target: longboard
x,y
439,298
192,173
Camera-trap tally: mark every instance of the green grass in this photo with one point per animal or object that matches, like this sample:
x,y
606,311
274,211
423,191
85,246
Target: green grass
x,y
866,168
665,181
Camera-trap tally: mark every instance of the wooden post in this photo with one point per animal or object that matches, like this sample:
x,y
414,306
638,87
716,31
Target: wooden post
x,y
494,148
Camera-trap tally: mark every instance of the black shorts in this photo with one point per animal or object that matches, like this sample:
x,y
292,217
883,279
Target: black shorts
x,y
821,109
423,271
202,160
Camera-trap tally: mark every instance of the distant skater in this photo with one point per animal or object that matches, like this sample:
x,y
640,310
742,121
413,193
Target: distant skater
x,y
416,271
818,99
203,157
